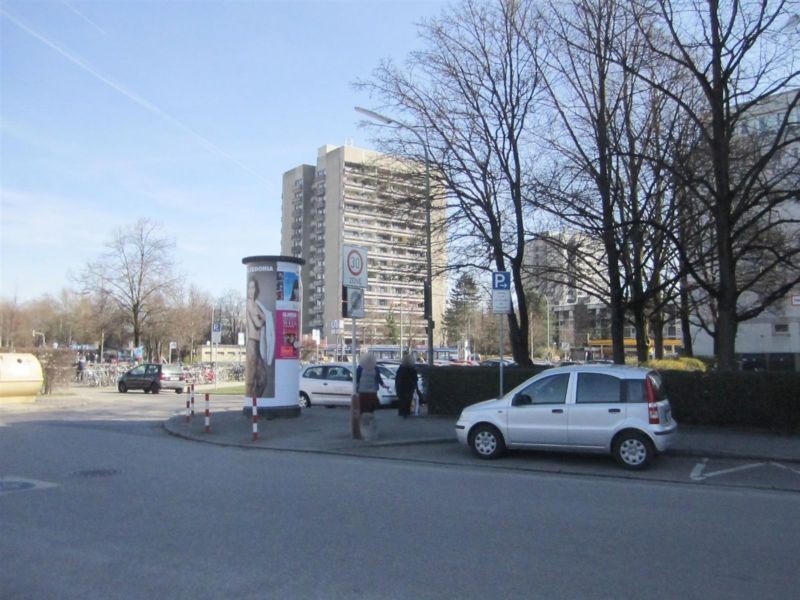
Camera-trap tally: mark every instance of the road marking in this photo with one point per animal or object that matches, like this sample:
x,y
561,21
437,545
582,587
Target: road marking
x,y
781,466
20,484
698,475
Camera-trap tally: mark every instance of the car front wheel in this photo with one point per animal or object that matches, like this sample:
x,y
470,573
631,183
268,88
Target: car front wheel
x,y
122,387
304,401
633,451
486,441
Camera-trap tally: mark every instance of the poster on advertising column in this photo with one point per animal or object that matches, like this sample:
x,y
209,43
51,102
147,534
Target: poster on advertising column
x,y
260,331
272,333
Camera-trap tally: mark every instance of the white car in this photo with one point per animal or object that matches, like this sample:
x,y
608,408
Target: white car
x,y
587,408
331,384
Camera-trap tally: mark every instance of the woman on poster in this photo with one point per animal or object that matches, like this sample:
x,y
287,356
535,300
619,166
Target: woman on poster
x,y
260,342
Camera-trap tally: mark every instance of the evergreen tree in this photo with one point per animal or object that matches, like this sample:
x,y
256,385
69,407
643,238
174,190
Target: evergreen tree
x,y
462,305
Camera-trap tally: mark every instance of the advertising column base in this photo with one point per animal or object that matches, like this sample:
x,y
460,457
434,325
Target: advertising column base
x,y
274,412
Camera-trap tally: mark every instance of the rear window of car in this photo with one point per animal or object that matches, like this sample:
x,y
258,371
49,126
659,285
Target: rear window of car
x,y
635,388
339,374
658,385
171,370
598,388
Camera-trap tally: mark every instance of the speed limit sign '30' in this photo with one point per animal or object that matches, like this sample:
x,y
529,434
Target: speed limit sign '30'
x,y
354,266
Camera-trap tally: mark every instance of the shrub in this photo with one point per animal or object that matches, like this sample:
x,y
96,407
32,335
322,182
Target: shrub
x,y
56,365
677,364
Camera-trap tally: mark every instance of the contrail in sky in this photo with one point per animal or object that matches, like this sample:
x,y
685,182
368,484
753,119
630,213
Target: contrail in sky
x,y
83,16
142,102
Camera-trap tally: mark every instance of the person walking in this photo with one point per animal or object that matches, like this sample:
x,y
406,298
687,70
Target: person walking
x,y
406,382
368,379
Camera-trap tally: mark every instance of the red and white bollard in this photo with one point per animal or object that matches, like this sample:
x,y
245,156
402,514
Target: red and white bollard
x,y
191,395
208,416
255,419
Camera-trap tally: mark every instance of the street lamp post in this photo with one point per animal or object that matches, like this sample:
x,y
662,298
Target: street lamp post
x,y
429,268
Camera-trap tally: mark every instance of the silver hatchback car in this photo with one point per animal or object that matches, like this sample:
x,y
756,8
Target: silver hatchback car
x,y
331,384
588,408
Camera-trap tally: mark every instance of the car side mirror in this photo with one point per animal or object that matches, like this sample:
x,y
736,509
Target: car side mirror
x,y
521,400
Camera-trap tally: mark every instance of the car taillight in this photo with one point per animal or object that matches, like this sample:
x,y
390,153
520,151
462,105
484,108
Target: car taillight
x,y
652,407
162,377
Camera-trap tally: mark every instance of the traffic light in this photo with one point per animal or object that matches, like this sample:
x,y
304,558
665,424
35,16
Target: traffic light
x,y
344,301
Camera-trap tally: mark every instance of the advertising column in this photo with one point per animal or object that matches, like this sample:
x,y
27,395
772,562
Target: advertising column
x,y
272,334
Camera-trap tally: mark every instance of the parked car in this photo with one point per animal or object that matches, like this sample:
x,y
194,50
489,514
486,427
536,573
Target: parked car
x,y
153,377
331,384
495,362
588,408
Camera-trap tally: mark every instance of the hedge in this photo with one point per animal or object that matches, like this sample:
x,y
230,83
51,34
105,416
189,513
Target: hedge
x,y
452,388
742,398
738,399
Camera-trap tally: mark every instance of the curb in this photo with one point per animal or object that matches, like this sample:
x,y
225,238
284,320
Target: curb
x,y
362,444
359,445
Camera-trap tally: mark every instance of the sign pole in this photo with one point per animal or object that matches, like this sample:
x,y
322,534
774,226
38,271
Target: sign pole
x,y
500,327
501,305
354,285
355,404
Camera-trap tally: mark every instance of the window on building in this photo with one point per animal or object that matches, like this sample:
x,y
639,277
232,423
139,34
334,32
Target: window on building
x,y
780,328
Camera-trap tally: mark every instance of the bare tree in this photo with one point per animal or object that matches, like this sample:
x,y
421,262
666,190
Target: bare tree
x,y
135,273
741,185
474,92
231,315
10,313
190,316
610,123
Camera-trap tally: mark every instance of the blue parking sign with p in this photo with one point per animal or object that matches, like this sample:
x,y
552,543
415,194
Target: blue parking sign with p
x,y
501,280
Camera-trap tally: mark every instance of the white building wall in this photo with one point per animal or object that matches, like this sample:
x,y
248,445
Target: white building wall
x,y
353,203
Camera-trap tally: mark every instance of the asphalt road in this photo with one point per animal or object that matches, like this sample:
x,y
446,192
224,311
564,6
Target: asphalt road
x,y
101,503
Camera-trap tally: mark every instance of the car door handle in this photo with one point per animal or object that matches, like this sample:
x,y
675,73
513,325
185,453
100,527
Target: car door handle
x,y
558,411
614,410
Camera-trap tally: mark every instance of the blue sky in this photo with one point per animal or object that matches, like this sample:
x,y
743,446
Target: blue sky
x,y
184,112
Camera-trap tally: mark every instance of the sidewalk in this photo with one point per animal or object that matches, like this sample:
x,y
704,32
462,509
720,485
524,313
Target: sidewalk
x,y
328,430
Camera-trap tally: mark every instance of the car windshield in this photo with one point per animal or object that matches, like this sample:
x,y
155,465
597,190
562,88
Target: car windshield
x,y
386,372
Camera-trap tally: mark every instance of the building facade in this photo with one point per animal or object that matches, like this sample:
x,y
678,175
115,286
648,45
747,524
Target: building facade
x,y
568,269
358,197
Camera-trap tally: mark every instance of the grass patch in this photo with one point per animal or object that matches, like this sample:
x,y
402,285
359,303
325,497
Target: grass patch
x,y
234,390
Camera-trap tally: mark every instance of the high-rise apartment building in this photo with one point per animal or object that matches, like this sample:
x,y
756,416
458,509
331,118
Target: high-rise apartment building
x,y
358,197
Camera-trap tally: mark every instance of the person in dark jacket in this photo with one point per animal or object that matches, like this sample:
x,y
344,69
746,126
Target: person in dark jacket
x,y
405,384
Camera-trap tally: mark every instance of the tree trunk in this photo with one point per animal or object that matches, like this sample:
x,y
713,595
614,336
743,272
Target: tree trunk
x,y
657,327
617,334
640,323
725,338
